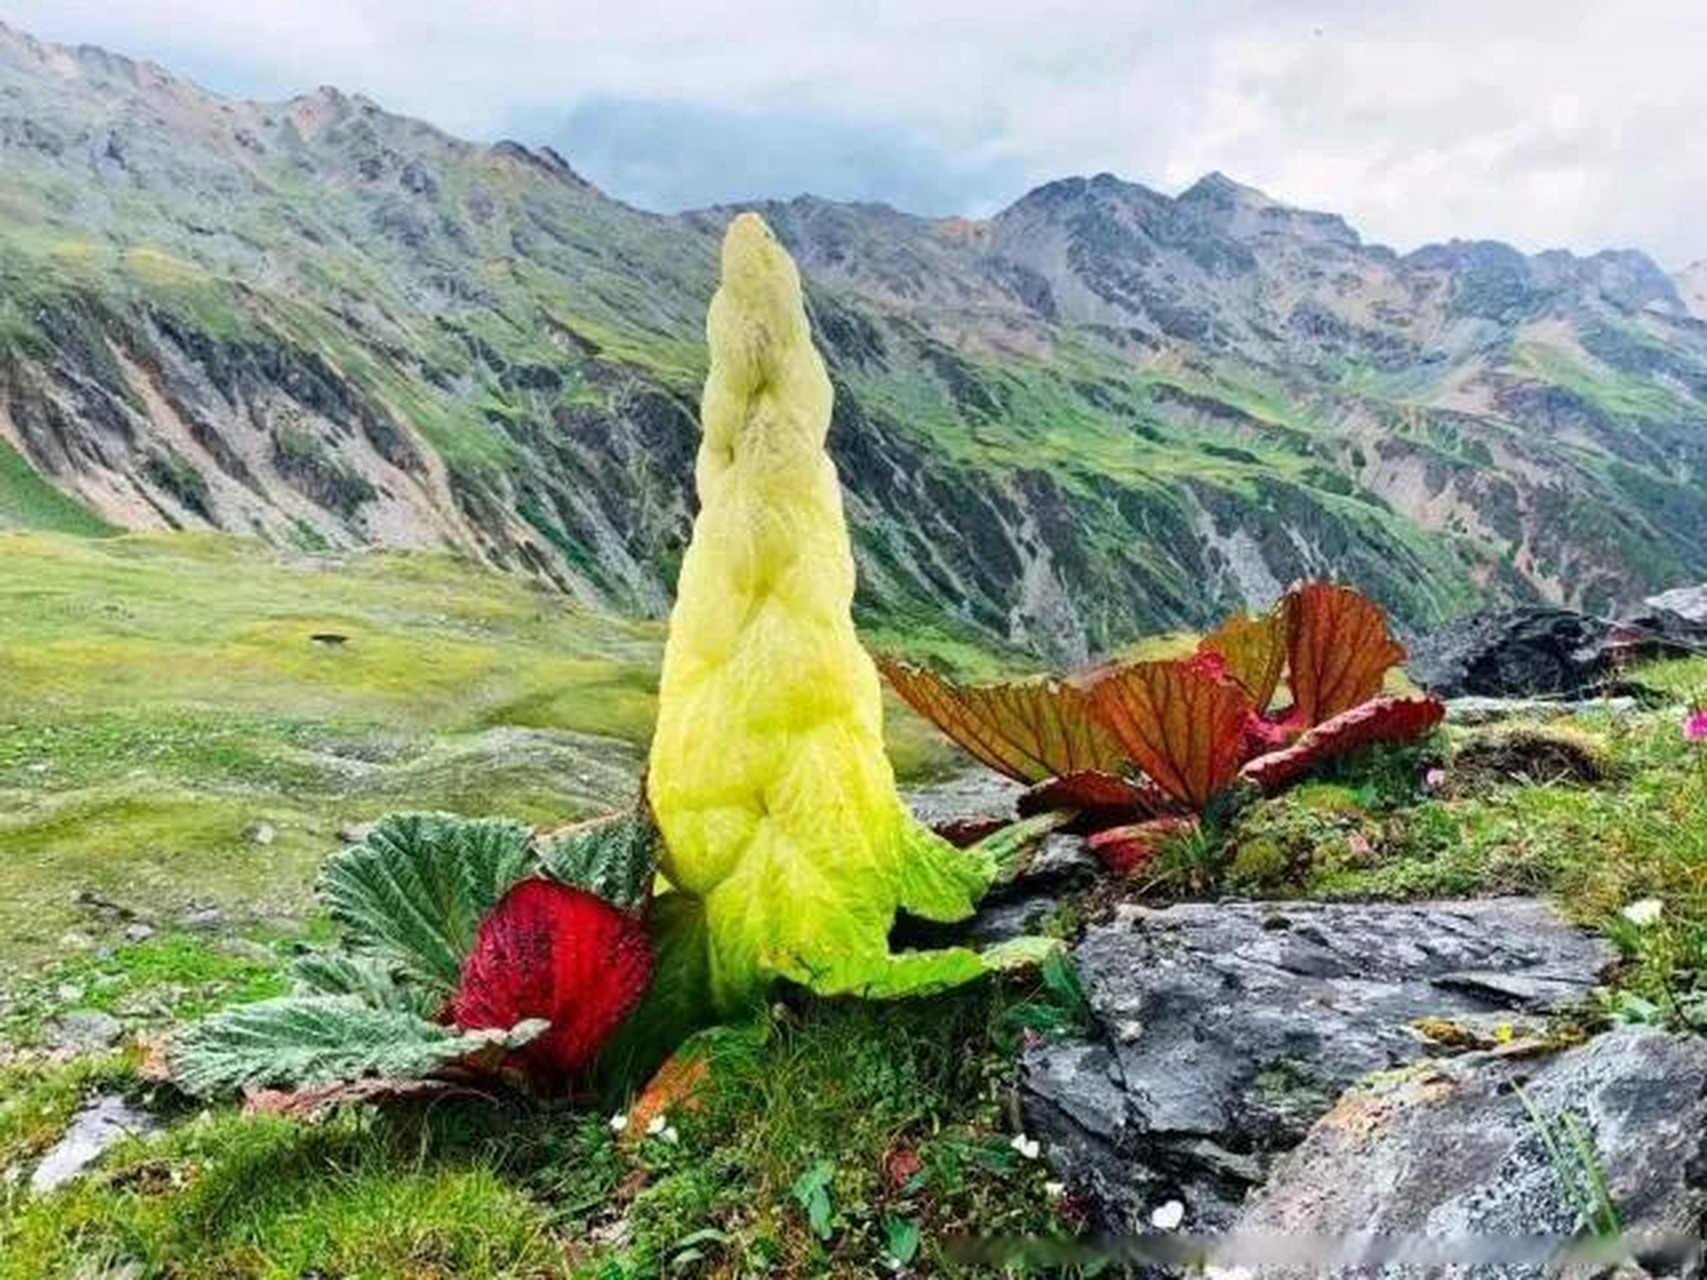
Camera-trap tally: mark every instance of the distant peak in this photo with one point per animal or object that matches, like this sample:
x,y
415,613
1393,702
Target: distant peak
x,y
1218,188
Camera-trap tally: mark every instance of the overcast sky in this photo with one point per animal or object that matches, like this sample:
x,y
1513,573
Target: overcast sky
x,y
1543,122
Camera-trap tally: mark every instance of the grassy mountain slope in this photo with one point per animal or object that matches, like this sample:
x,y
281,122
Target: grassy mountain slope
x,y
1103,411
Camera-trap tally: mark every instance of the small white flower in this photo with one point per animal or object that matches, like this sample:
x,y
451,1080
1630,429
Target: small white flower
x,y
668,1134
1028,1148
1055,1189
618,1122
1646,912
656,1126
1167,1217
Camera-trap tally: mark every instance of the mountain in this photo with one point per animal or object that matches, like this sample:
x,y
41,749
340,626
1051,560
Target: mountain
x,y
1103,410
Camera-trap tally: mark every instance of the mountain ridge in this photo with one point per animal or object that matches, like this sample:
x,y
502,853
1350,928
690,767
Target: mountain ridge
x,y
1099,410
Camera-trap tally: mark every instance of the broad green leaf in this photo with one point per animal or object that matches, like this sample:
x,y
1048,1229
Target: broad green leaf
x,y
1030,730
363,976
415,890
614,857
322,1040
1339,650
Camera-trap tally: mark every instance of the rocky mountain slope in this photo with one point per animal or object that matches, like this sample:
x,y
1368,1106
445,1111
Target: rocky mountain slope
x,y
1102,410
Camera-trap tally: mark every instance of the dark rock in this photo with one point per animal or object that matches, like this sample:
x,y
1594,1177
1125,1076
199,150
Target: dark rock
x,y
1456,1150
1534,652
1224,1030
1023,906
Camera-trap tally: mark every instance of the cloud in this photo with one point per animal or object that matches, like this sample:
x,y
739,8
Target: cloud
x,y
1528,120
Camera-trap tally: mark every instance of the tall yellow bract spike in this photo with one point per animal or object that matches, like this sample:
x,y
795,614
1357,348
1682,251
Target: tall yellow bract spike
x,y
768,774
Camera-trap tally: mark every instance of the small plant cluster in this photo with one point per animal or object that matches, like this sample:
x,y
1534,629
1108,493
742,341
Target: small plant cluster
x,y
1142,751
470,951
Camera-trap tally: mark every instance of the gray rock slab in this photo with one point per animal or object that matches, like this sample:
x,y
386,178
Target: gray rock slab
x,y
98,1125
1224,1030
1453,1157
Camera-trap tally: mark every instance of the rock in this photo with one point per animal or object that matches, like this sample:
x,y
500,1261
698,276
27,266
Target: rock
x,y
1023,906
978,793
1523,653
1547,652
204,919
86,1030
356,832
1451,1151
263,833
138,932
1223,1030
98,1125
1686,603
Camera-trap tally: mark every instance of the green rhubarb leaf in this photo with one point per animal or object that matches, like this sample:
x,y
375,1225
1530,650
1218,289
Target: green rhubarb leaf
x,y
415,890
320,1040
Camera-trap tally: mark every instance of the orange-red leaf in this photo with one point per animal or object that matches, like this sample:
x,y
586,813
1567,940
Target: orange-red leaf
x,y
1100,799
1124,850
1253,646
1179,723
1339,650
678,1085
1028,729
1391,719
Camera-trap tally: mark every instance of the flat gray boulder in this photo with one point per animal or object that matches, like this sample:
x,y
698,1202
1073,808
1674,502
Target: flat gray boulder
x,y
1224,1030
1450,1161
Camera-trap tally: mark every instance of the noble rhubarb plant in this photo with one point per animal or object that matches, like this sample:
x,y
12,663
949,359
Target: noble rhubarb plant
x,y
1141,750
783,830
471,951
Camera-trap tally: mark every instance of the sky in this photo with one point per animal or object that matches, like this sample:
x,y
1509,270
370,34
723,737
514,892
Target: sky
x,y
1546,123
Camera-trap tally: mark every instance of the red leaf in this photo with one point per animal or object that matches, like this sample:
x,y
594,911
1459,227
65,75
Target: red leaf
x,y
1124,850
963,833
1180,724
549,951
1253,647
1101,799
900,1167
1029,730
1339,650
1391,719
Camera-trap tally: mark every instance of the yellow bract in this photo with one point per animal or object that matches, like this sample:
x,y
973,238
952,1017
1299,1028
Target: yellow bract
x,y
768,775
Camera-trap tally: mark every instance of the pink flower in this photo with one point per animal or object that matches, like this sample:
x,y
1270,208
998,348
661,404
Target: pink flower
x,y
1695,726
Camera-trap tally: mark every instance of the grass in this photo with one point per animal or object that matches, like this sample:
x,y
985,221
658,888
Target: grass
x,y
173,734
900,1114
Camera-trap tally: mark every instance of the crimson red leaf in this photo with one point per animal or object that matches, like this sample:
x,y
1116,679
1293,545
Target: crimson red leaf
x,y
1179,723
561,954
1253,647
963,833
1391,719
1124,850
1102,799
1339,650
1029,730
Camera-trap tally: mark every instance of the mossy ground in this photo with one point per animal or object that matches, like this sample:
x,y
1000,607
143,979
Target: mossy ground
x,y
837,1137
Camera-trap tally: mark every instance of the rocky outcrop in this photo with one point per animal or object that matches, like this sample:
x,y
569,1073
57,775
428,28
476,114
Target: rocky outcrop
x,y
1223,1031
1450,1162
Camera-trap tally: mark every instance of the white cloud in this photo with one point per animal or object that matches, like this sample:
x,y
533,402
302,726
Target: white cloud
x,y
1543,122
